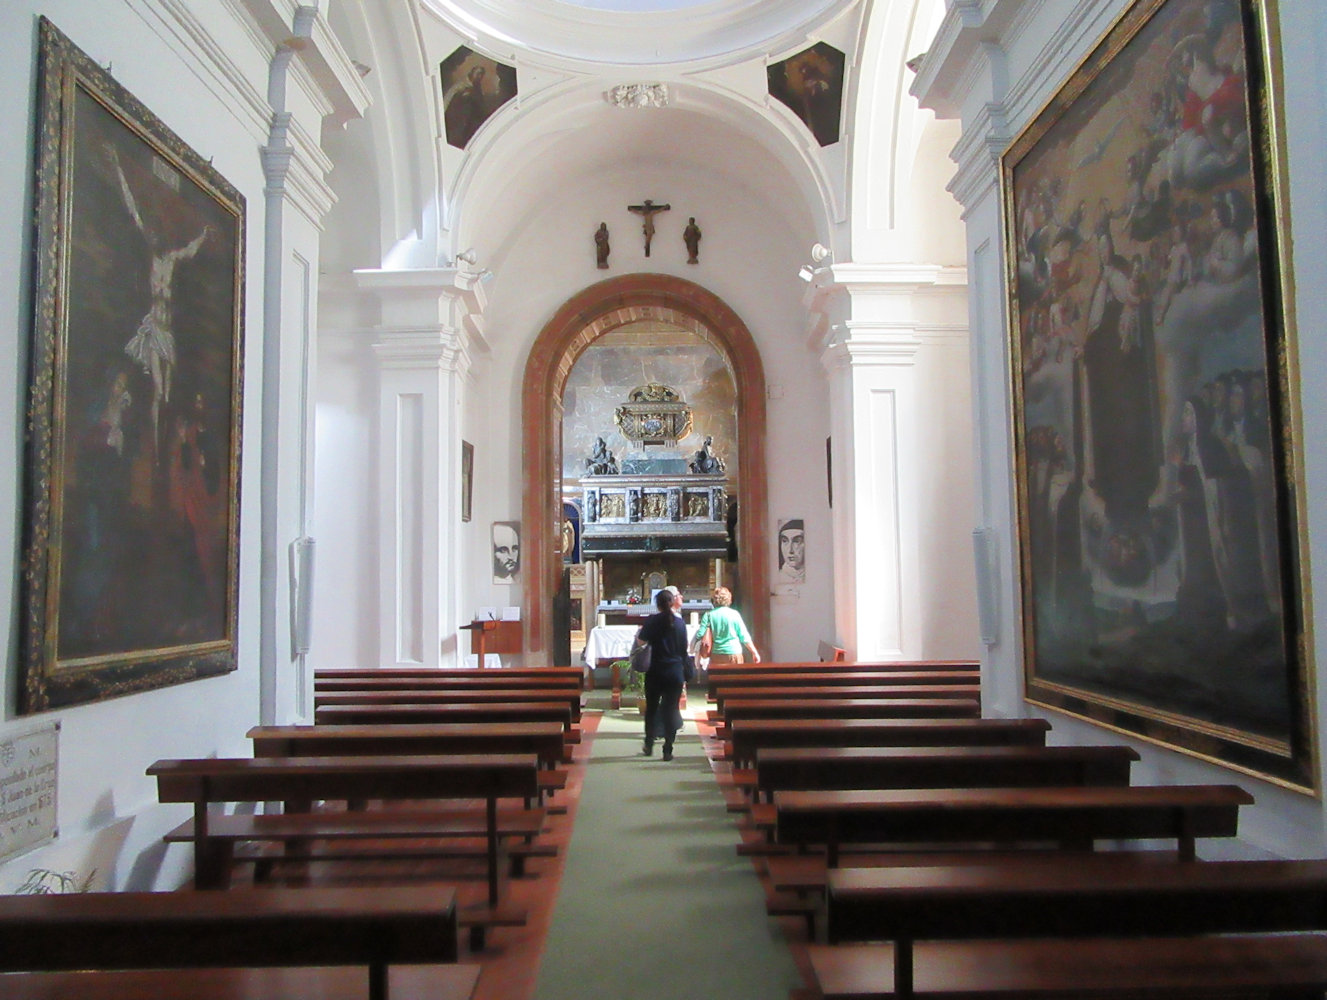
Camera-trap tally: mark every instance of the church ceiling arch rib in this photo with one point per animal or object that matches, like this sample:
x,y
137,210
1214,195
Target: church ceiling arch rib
x,y
888,127
396,136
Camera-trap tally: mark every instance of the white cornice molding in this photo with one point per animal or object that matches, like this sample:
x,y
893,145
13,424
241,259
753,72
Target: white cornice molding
x,y
877,312
967,75
977,155
183,32
322,57
446,300
177,24
421,348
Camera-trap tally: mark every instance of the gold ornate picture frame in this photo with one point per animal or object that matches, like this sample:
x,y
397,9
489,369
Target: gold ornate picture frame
x,y
1164,569
130,575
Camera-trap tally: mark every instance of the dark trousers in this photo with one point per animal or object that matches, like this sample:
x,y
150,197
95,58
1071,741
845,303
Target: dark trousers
x,y
662,717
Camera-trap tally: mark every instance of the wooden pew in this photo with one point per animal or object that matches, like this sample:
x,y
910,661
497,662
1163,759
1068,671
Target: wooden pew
x,y
827,678
1161,908
543,739
301,781
749,736
243,929
487,680
450,712
737,709
415,696
802,768
379,673
723,693
907,767
1224,966
1072,817
814,666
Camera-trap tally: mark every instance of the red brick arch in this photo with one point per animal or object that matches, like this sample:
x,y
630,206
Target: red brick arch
x,y
582,320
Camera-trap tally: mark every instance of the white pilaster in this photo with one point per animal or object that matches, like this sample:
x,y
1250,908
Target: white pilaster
x,y
431,321
885,329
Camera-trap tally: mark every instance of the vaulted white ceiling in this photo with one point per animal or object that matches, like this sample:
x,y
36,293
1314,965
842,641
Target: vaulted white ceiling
x,y
641,32
720,126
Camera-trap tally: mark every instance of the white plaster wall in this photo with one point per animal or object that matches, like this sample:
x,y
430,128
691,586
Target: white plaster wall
x,y
749,258
108,817
1041,44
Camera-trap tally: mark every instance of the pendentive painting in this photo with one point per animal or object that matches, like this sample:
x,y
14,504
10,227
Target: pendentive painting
x,y
473,88
131,532
1155,405
811,84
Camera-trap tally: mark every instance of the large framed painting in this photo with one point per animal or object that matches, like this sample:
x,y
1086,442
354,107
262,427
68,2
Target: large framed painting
x,y
810,83
1155,394
131,534
474,87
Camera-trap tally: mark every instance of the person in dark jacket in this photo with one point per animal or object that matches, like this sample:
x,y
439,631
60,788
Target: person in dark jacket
x,y
666,634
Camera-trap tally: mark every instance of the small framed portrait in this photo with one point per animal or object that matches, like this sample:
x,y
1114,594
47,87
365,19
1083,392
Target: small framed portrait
x,y
792,551
506,551
467,478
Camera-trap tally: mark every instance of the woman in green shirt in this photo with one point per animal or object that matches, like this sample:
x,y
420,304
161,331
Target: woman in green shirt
x,y
722,634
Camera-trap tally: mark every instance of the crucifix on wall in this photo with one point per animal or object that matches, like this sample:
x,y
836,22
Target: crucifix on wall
x,y
648,210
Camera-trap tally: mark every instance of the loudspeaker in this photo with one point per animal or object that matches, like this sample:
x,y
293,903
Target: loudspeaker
x,y
986,559
301,582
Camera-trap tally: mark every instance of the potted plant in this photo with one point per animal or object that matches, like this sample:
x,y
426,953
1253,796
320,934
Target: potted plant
x,y
633,685
44,881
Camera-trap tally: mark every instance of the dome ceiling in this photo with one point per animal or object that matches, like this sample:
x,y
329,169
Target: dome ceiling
x,y
642,32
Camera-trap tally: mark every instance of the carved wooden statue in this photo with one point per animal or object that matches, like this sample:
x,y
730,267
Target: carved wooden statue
x,y
649,210
691,237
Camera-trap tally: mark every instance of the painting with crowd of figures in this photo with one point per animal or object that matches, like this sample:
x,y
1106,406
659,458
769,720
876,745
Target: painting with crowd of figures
x,y
132,494
1154,390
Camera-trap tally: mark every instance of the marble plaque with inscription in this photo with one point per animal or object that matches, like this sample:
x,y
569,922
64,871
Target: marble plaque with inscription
x,y
28,789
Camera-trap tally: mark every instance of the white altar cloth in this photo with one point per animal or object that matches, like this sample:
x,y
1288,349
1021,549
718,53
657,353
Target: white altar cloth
x,y
613,642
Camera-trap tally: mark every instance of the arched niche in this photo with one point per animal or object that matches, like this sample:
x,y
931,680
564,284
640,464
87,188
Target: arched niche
x,y
582,320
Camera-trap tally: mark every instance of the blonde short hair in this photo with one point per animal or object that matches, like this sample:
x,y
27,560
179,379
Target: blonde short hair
x,y
722,597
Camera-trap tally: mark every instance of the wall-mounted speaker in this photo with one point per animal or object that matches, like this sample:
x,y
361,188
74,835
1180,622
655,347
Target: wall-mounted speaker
x,y
301,604
987,562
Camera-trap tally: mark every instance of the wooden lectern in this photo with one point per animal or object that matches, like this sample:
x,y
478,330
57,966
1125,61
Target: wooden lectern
x,y
492,636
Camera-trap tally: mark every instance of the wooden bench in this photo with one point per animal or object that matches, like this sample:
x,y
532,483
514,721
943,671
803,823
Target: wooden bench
x,y
805,875
543,739
487,680
301,781
893,678
749,736
939,767
1072,817
245,929
1163,910
912,767
445,696
449,712
330,673
737,709
720,670
722,693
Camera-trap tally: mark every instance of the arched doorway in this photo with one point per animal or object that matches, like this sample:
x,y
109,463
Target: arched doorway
x,y
583,319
